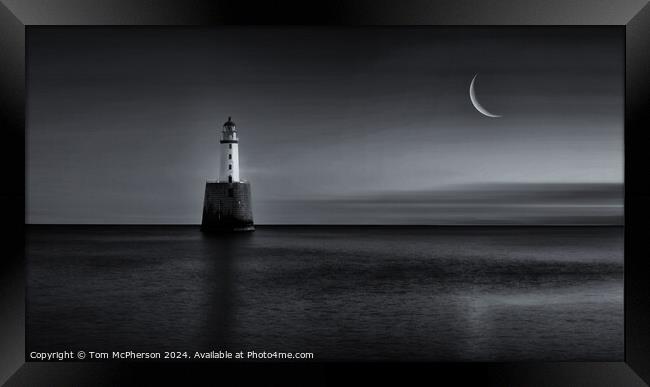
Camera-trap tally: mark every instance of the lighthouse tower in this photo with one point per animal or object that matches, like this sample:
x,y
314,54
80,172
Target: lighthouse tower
x,y
229,166
227,202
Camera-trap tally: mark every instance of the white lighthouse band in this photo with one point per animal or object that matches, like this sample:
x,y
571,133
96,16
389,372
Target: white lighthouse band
x,y
229,164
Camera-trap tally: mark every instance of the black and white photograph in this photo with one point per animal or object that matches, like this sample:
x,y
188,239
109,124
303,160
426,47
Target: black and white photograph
x,y
325,193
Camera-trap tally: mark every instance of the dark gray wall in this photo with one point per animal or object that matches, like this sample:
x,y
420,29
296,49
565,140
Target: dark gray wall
x,y
227,206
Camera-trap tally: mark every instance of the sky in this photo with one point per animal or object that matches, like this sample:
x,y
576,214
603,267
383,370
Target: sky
x,y
337,125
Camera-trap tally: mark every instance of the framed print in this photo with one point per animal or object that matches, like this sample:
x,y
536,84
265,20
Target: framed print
x,y
326,193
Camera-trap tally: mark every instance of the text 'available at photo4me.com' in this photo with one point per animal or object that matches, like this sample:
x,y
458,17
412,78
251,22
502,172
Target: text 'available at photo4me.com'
x,y
169,355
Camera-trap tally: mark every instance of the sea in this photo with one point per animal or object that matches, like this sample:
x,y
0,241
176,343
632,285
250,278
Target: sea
x,y
342,293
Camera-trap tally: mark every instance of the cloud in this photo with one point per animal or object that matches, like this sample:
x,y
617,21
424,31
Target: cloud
x,y
501,203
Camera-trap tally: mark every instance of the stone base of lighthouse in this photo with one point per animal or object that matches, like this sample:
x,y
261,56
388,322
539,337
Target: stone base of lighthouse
x,y
227,208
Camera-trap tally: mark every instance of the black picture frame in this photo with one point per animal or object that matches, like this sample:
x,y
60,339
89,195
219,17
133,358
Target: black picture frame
x,y
631,15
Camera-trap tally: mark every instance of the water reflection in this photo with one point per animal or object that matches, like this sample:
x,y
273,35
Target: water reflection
x,y
219,252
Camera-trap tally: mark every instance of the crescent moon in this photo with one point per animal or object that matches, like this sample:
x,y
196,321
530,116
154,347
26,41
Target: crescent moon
x,y
477,105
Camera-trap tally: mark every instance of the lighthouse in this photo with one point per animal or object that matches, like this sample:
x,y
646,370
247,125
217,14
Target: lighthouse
x,y
227,201
229,165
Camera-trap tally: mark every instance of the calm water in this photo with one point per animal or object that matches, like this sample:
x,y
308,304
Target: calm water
x,y
343,293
